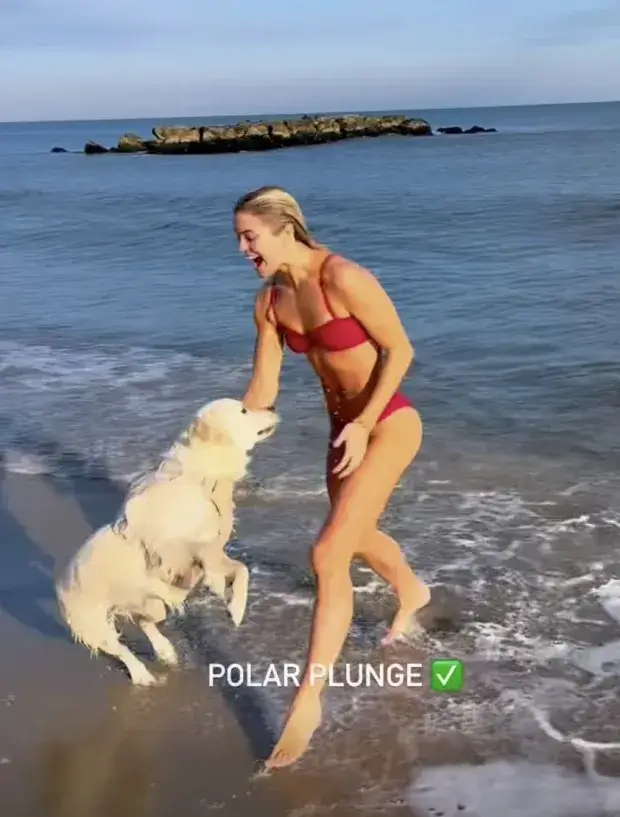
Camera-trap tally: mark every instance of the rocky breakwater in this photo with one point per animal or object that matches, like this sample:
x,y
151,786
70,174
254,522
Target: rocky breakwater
x,y
457,129
254,136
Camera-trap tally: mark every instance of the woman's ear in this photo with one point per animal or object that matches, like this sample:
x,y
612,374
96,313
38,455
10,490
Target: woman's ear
x,y
287,230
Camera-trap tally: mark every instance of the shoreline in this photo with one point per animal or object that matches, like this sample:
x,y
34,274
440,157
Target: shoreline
x,y
76,738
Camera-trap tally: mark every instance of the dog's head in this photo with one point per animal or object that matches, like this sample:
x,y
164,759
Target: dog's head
x,y
228,423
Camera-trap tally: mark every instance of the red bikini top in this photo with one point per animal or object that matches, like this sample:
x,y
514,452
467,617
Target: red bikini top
x,y
335,335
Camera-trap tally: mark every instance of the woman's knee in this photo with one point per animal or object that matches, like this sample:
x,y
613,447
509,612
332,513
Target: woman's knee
x,y
330,557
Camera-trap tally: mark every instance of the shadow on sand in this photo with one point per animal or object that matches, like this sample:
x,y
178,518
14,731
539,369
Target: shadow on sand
x,y
44,519
26,570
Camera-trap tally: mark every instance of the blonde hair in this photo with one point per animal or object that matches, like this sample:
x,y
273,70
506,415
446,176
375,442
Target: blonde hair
x,y
278,208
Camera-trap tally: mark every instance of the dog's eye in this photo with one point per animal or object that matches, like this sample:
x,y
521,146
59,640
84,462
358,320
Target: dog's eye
x,y
244,411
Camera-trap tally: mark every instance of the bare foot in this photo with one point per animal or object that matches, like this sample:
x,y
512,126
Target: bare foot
x,y
405,623
303,721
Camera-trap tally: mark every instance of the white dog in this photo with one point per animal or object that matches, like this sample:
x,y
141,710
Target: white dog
x,y
170,535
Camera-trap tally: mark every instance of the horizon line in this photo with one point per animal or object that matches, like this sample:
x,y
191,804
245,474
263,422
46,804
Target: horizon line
x,y
321,112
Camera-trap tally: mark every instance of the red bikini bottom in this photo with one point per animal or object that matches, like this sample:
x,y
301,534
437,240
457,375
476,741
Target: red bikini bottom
x,y
398,401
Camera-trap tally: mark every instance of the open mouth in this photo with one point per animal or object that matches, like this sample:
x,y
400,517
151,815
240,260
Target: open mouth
x,y
257,261
264,432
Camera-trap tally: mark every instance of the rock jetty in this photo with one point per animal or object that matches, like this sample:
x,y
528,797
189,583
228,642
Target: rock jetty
x,y
456,129
254,136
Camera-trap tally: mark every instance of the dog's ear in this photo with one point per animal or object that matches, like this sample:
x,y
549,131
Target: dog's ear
x,y
210,434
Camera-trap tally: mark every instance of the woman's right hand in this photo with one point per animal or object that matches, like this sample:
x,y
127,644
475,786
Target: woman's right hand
x,y
268,356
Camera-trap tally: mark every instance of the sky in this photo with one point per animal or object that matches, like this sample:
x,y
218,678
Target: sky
x,y
85,59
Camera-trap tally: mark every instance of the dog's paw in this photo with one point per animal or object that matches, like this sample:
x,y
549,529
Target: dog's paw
x,y
178,597
236,609
177,601
216,583
144,678
167,654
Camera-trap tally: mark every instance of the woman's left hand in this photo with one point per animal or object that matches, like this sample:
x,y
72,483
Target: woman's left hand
x,y
355,438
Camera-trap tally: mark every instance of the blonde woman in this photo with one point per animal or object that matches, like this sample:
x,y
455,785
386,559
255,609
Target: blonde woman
x,y
338,315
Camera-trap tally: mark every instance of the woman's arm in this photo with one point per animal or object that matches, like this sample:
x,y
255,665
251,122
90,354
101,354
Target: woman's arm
x,y
268,355
363,296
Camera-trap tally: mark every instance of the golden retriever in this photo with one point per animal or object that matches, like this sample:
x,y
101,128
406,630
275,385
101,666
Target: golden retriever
x,y
171,534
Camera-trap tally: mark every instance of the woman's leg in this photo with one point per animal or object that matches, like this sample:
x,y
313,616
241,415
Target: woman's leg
x,y
353,518
385,556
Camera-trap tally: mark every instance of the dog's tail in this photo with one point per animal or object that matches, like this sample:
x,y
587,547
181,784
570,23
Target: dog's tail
x,y
91,622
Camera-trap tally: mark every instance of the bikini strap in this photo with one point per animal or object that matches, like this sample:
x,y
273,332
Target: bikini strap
x,y
322,285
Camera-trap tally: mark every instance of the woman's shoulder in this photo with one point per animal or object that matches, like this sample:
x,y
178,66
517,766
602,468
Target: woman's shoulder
x,y
263,301
265,294
344,276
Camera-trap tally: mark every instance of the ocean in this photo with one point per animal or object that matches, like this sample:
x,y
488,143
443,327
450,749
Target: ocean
x,y
126,305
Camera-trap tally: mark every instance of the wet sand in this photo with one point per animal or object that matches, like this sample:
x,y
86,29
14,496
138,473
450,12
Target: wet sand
x,y
76,739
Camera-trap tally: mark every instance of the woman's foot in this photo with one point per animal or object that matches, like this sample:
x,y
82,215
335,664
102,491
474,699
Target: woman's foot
x,y
301,724
405,623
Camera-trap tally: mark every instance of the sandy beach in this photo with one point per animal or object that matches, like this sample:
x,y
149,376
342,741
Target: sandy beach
x,y
77,739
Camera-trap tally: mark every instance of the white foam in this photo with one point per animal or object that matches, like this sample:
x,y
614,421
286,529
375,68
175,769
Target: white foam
x,y
512,789
567,525
603,660
292,486
573,489
586,748
576,580
493,505
291,599
609,594
370,588
18,462
599,661
45,367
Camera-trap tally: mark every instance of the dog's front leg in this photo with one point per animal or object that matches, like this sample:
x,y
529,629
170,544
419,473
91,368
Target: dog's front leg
x,y
217,571
239,590
215,581
174,597
221,568
212,559
189,580
164,649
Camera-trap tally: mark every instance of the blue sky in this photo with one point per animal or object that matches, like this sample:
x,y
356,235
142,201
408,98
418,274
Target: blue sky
x,y
67,59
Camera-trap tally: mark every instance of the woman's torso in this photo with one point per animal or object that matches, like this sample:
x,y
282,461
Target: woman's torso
x,y
345,358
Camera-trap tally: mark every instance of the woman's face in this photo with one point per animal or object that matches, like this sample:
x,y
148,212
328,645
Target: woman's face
x,y
259,244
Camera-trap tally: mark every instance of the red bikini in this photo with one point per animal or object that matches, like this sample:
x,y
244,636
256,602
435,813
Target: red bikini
x,y
336,335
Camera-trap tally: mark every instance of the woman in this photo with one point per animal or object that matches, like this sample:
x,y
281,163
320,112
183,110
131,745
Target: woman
x,y
336,313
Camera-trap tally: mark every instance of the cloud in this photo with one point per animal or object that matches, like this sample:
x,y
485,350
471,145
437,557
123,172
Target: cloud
x,y
581,26
35,24
172,28
79,58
